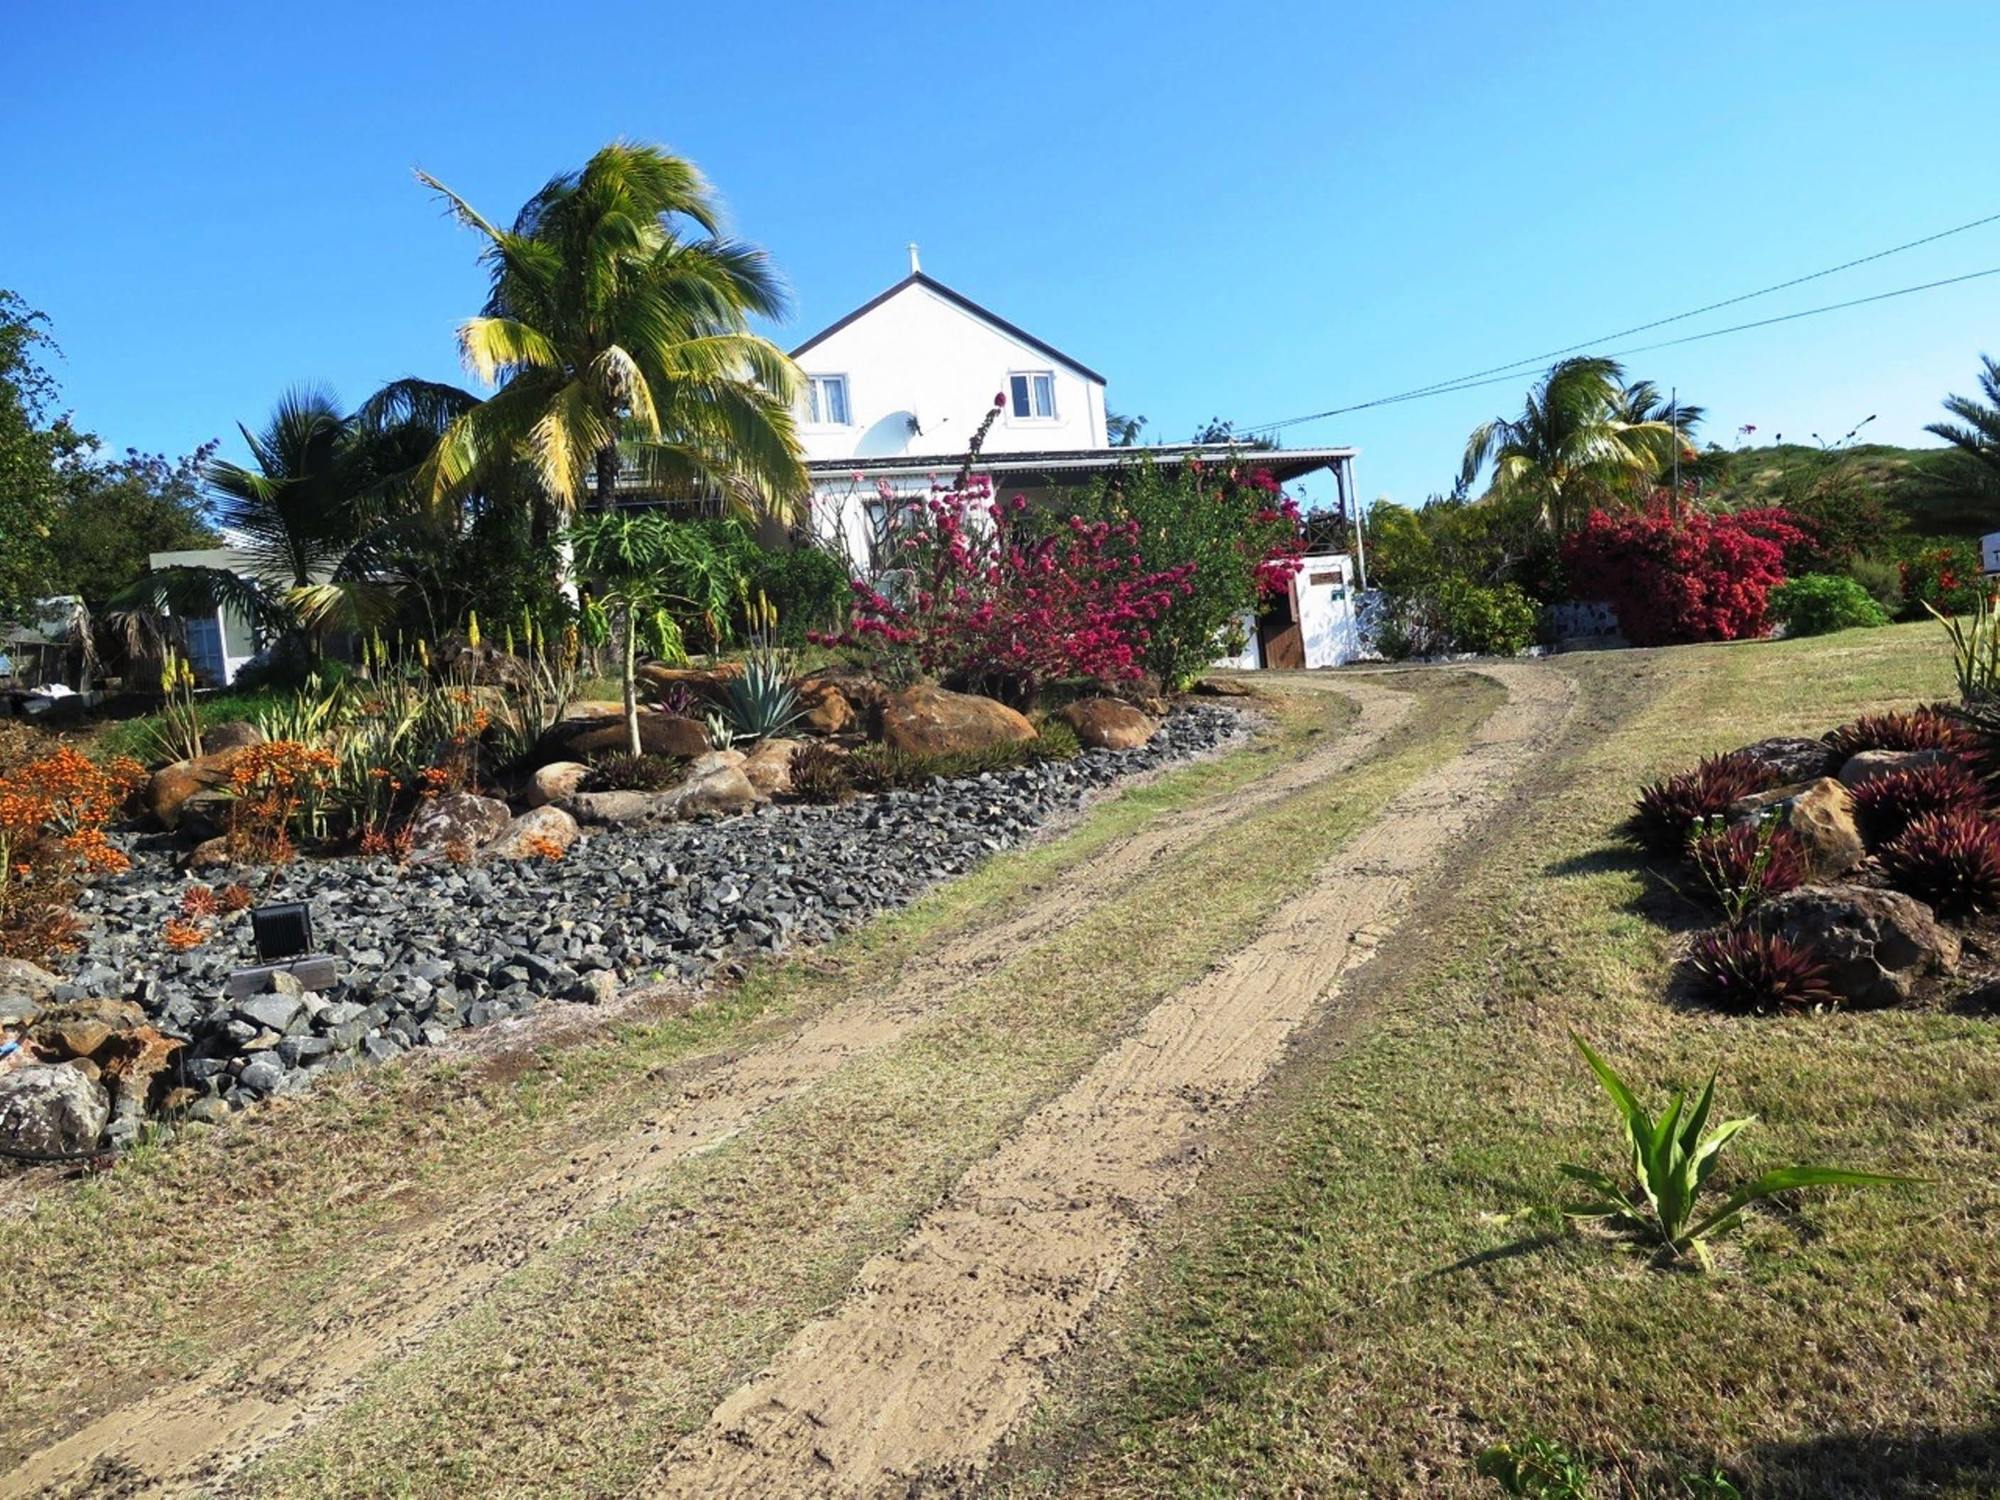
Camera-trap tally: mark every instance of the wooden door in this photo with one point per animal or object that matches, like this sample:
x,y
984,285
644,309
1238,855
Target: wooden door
x,y
1283,645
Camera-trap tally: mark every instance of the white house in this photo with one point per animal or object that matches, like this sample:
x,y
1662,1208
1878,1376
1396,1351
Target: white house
x,y
896,389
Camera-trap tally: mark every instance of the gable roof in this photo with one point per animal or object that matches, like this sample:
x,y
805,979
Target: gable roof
x,y
957,299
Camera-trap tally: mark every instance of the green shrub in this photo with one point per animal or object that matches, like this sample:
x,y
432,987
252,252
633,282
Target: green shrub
x,y
1821,602
635,773
1537,1469
1883,579
823,774
1946,577
1454,615
808,587
1056,740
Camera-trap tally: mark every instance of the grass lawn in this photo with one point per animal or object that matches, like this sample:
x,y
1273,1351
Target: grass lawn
x,y
1369,1287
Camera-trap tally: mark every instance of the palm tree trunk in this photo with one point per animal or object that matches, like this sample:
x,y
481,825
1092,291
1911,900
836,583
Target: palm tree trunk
x,y
631,676
607,475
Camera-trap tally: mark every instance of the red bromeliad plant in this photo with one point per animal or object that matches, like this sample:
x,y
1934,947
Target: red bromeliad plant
x,y
1676,573
976,597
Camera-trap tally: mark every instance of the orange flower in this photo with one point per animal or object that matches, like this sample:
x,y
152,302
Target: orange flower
x,y
181,935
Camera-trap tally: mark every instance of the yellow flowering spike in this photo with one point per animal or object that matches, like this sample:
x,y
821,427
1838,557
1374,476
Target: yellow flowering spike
x,y
508,639
472,629
423,653
169,672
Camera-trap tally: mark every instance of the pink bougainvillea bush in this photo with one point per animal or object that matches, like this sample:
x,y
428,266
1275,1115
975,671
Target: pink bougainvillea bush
x,y
1676,573
982,596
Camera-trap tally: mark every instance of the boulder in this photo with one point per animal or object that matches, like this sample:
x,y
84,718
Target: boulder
x,y
237,734
462,818
1790,759
209,854
769,767
1880,945
85,1028
659,734
1108,724
556,782
827,708
927,720
1821,813
1222,687
722,792
23,981
532,833
711,761
618,809
703,682
172,786
50,1109
1869,763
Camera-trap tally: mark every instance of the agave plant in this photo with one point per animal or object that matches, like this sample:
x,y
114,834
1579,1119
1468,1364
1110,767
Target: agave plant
x,y
761,702
1672,1159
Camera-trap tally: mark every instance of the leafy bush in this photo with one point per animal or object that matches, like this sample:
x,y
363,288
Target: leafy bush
x,y
820,773
1743,864
1949,859
1887,804
1537,1469
1235,533
1920,729
1671,1163
1056,740
809,589
1748,972
1822,602
1883,580
1945,577
1454,615
976,598
53,813
1677,574
635,773
1667,812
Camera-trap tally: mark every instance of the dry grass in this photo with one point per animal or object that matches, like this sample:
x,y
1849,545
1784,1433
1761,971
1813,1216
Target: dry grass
x,y
1369,1288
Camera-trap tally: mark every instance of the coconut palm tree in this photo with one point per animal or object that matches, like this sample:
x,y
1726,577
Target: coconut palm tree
x,y
323,513
1572,444
616,333
1974,475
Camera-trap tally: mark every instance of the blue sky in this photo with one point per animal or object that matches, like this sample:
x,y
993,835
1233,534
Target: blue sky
x,y
1253,211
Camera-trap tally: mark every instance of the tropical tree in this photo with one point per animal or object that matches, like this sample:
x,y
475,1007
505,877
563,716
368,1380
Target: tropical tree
x,y
1974,475
646,569
1572,446
616,334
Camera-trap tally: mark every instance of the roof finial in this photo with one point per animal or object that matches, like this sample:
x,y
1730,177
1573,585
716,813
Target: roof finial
x,y
914,267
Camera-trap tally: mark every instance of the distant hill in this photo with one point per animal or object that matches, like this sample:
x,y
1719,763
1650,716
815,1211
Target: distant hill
x,y
1905,478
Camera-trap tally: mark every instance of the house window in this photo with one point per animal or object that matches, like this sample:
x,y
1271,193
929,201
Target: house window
x,y
1034,393
204,648
828,397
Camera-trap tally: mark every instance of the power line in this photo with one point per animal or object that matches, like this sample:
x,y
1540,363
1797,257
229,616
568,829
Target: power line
x,y
1469,381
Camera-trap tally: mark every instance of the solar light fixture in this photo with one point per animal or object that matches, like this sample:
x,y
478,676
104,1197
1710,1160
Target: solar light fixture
x,y
283,930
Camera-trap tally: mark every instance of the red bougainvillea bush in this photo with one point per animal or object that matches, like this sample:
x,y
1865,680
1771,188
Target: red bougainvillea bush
x,y
980,598
1676,573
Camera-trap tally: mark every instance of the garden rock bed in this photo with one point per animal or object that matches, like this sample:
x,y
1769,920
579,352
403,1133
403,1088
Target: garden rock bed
x,y
428,948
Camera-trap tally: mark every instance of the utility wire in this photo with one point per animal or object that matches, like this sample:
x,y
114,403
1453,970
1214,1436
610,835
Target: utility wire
x,y
1462,382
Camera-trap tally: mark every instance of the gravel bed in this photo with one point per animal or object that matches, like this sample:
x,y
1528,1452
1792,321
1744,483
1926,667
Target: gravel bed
x,y
426,950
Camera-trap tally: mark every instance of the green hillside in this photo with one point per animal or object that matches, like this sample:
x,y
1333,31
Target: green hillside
x,y
1906,480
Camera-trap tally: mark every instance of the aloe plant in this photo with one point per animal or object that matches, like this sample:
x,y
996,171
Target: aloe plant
x,y
761,702
1672,1159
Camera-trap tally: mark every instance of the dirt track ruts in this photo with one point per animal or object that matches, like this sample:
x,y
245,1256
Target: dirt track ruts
x,y
910,1385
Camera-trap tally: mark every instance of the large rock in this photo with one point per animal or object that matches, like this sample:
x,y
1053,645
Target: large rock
x,y
237,734
50,1109
557,781
1108,724
465,819
1789,759
618,809
659,734
1820,813
172,786
703,682
1859,768
1223,687
926,720
827,709
1879,945
532,835
769,767
720,793
85,1028
24,984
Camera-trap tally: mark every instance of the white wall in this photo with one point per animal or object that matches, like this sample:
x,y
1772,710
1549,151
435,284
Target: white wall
x,y
921,354
1324,595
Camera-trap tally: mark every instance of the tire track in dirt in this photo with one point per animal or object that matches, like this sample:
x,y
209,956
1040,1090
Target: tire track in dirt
x,y
938,1352
426,1274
